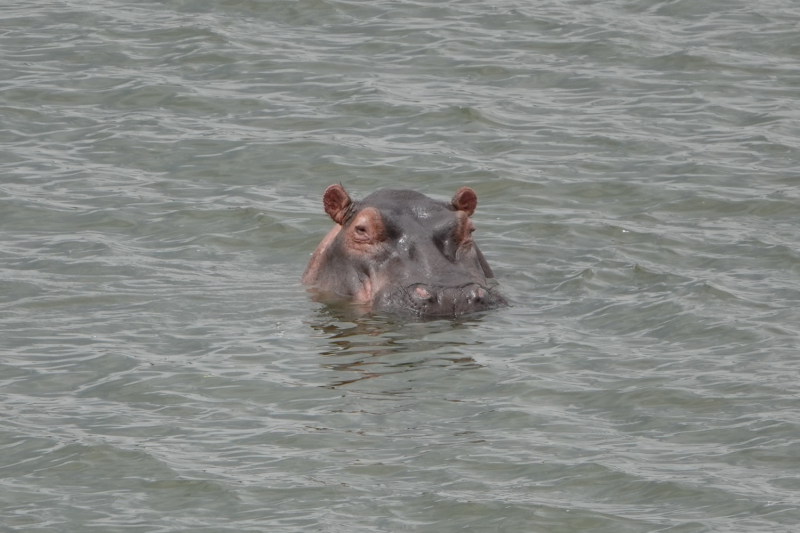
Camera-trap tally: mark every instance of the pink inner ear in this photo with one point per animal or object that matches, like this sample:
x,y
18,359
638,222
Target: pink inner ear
x,y
465,200
336,201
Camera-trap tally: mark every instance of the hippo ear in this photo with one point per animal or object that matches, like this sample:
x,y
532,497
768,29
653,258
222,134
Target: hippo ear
x,y
465,200
337,202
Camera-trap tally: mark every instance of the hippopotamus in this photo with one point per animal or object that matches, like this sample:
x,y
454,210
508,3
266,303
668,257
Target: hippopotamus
x,y
398,251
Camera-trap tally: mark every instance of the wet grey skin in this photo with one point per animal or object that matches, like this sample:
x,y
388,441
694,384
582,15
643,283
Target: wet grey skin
x,y
401,252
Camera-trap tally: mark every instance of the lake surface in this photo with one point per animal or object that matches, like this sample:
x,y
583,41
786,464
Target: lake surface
x,y
162,165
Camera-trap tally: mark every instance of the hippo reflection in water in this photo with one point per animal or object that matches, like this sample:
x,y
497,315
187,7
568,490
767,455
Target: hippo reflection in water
x,y
400,252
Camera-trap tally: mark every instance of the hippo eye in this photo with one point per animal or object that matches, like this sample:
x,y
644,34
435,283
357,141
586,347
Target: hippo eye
x,y
361,234
367,228
470,230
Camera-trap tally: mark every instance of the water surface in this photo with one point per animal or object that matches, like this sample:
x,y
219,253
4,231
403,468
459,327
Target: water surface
x,y
161,171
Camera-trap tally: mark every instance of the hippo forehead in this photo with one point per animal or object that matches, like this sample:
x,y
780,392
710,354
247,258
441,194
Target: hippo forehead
x,y
397,205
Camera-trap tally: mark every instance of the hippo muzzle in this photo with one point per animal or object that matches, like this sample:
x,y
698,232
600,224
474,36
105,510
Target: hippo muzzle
x,y
437,301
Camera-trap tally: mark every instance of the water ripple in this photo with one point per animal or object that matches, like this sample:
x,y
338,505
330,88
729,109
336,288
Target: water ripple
x,y
164,370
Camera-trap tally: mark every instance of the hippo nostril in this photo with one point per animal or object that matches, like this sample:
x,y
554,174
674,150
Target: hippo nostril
x,y
425,295
422,293
476,295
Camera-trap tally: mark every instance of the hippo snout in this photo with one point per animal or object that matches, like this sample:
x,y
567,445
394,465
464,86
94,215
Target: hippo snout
x,y
430,300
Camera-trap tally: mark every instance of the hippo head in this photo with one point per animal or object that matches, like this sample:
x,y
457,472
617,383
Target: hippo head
x,y
399,251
